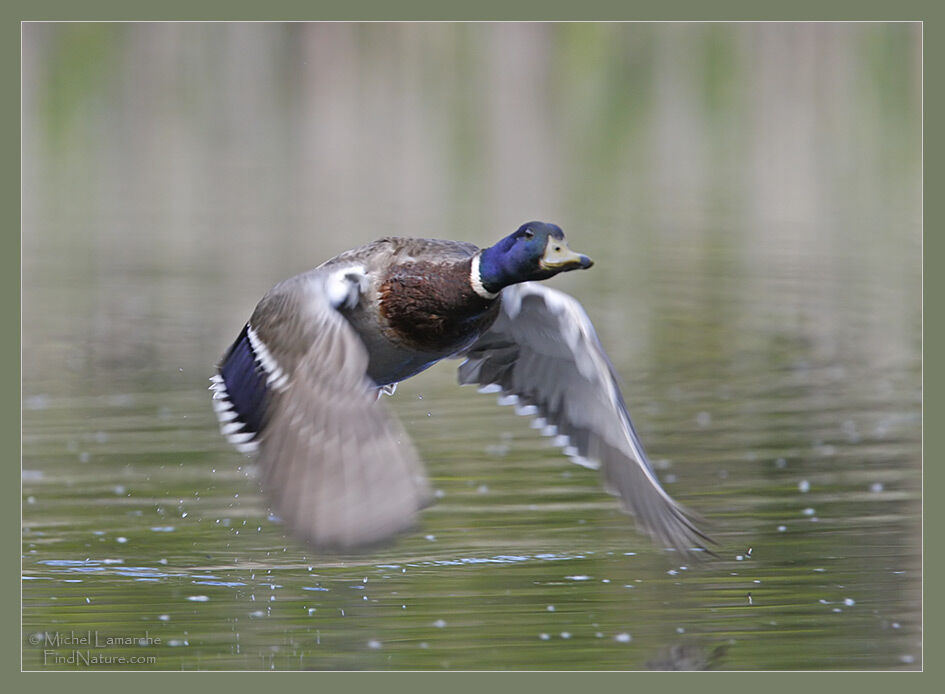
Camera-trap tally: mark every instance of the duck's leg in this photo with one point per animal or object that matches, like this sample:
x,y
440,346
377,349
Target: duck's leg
x,y
388,389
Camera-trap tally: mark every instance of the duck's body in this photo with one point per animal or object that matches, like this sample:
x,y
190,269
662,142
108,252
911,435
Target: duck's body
x,y
416,305
299,385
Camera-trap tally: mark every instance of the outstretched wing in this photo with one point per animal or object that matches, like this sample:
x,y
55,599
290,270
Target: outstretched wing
x,y
543,354
339,470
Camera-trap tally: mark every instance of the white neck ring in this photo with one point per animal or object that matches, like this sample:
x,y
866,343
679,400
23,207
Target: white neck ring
x,y
475,279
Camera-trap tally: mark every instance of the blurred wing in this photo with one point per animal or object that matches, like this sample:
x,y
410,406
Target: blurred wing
x,y
339,470
543,354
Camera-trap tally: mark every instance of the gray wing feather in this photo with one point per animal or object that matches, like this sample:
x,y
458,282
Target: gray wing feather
x,y
544,351
338,468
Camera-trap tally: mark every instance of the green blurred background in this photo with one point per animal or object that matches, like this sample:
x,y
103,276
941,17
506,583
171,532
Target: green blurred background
x,y
751,193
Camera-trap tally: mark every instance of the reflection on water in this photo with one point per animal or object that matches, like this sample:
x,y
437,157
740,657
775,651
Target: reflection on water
x,y
751,195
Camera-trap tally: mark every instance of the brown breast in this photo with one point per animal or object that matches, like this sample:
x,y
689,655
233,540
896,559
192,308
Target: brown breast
x,y
432,307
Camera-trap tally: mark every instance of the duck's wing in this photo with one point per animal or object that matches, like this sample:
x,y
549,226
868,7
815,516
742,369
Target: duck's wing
x,y
338,468
544,356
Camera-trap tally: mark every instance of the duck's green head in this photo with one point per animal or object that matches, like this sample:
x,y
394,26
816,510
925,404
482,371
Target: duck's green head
x,y
536,251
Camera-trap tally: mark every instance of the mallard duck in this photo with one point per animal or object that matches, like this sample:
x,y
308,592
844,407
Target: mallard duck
x,y
300,385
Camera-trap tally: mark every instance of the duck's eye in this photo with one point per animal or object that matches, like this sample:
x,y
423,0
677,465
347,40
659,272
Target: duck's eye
x,y
529,234
557,248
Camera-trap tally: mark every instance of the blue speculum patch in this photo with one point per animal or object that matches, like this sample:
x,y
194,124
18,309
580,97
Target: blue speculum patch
x,y
245,382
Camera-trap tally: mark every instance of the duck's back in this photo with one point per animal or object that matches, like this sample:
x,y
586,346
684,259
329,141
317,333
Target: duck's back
x,y
382,254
